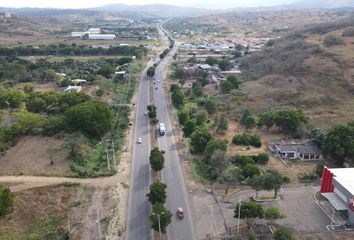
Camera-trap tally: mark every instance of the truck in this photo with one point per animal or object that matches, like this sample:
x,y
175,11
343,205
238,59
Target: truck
x,y
162,129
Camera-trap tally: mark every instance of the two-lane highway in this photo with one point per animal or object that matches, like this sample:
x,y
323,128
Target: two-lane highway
x,y
172,175
139,206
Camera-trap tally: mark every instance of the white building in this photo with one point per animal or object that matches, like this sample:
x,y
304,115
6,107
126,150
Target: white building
x,y
94,31
78,34
102,36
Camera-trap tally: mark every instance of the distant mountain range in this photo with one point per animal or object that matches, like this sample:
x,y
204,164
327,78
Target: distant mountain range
x,y
164,10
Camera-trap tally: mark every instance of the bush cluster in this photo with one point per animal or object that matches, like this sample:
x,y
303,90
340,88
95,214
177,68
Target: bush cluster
x,y
247,139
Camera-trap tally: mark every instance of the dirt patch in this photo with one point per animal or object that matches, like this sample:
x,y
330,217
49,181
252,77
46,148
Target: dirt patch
x,y
34,155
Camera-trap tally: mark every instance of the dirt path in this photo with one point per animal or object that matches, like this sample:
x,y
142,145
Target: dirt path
x,y
19,183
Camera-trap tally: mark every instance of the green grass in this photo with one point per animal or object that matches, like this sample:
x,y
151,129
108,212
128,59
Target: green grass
x,y
46,228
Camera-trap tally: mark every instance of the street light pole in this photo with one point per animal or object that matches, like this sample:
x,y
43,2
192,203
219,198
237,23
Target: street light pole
x,y
158,220
239,213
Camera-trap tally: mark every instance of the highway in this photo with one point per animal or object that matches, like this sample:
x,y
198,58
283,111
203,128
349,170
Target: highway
x,y
172,175
138,226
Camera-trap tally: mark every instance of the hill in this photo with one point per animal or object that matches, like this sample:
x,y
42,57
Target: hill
x,y
309,69
154,10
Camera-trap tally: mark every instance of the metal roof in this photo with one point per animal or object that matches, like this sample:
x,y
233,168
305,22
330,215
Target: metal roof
x,y
335,201
345,177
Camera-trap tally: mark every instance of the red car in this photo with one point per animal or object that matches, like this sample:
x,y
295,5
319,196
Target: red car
x,y
180,213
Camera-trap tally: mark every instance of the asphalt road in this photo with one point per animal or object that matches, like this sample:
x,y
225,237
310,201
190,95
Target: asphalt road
x,y
177,195
139,206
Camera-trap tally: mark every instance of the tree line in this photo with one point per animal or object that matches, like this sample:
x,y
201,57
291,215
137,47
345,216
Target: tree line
x,y
73,50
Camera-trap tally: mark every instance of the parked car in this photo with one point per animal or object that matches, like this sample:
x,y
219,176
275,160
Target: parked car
x,y
180,213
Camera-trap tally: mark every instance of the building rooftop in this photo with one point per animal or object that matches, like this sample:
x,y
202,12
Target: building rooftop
x,y
303,146
345,177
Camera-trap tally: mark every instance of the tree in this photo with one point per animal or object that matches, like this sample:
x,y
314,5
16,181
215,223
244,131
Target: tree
x,y
339,143
216,164
272,214
213,145
230,176
201,117
15,97
199,139
151,72
177,98
283,234
197,88
273,181
249,211
183,116
157,193
234,81
250,121
224,64
289,120
159,212
106,71
222,124
266,120
210,105
74,143
226,86
151,111
249,170
211,61
6,201
189,127
91,118
257,183
157,160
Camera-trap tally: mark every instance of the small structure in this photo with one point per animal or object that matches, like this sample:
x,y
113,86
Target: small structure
x,y
102,36
8,15
296,149
337,186
73,89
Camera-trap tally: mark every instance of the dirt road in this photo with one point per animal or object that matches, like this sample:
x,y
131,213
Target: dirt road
x,y
19,183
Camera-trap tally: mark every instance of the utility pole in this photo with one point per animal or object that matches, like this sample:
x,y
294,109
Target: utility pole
x,y
114,156
107,156
239,214
98,221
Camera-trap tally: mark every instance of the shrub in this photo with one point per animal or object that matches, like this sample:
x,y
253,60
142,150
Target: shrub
x,y
6,201
349,32
261,158
99,92
332,40
247,139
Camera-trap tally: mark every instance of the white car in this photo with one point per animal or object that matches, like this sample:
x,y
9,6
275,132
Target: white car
x,y
140,140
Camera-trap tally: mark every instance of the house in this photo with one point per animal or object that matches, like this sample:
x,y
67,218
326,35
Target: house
x,y
296,149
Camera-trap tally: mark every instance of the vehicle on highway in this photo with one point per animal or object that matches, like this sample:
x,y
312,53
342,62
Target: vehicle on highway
x,y
156,88
163,151
180,213
162,129
145,113
139,140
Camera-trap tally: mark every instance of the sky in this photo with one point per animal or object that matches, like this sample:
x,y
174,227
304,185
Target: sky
x,y
219,4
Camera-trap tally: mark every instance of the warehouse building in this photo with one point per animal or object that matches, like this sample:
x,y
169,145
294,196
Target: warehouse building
x,y
102,36
337,186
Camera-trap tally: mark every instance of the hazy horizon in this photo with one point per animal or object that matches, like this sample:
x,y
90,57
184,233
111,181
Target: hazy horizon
x,y
211,4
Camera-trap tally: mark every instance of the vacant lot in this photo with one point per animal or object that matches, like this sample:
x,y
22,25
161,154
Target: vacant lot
x,y
34,155
66,208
